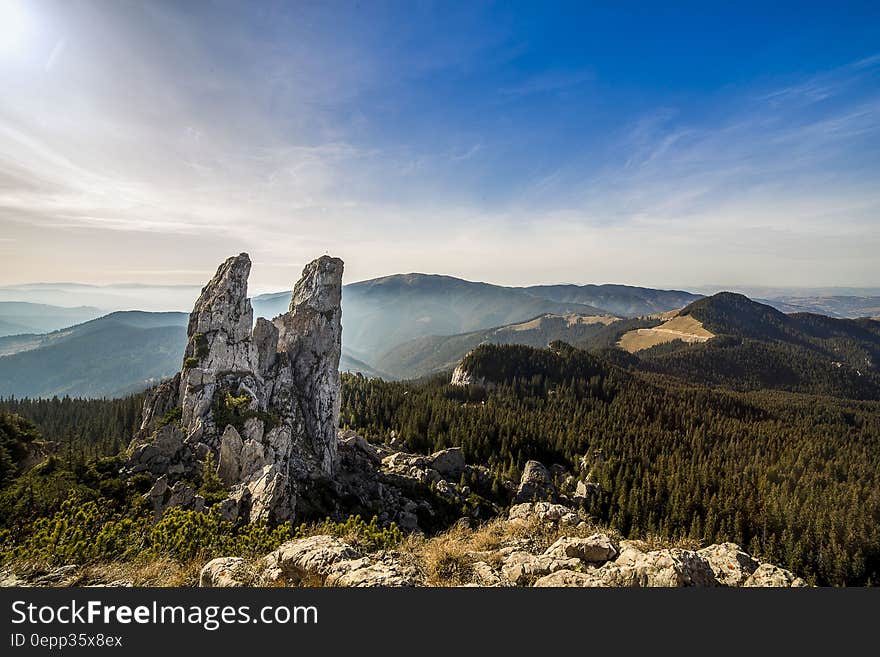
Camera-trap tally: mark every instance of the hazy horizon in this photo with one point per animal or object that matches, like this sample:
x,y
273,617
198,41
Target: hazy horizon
x,y
145,143
179,298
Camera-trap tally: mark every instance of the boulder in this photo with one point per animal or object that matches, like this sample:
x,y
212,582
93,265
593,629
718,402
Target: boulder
x,y
351,441
585,489
773,576
542,512
665,568
570,578
535,485
630,551
448,462
485,575
221,572
731,565
593,549
365,572
307,560
161,453
521,567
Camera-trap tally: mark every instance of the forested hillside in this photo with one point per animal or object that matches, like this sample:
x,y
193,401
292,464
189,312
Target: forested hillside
x,y
794,477
758,347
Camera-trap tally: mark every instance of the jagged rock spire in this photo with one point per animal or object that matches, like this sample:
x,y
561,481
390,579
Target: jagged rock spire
x,y
223,315
264,400
219,347
310,335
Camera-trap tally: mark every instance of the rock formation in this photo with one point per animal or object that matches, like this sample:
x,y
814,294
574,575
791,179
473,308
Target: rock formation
x,y
262,399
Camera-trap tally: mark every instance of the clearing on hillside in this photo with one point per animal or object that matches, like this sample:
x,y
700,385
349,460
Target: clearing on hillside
x,y
571,319
683,327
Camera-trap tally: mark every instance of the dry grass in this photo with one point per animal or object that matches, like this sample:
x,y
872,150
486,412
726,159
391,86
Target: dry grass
x,y
446,559
683,327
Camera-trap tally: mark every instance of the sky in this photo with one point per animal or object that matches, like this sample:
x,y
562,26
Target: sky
x,y
515,143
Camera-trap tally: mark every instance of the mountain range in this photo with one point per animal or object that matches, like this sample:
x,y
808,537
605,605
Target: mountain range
x,y
18,317
412,325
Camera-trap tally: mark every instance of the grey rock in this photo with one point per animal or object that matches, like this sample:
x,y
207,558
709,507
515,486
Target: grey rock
x,y
278,382
773,576
448,462
365,572
570,578
229,465
521,567
659,568
597,548
307,560
584,489
222,572
536,485
542,512
485,575
730,563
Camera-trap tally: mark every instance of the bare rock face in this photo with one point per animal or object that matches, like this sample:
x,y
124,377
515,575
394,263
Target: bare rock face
x,y
597,548
220,357
770,575
307,363
536,485
221,572
730,563
263,399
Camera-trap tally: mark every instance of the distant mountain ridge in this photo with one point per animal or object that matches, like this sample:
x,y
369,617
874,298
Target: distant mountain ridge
x,y
622,300
756,346
17,317
410,325
112,356
382,313
433,353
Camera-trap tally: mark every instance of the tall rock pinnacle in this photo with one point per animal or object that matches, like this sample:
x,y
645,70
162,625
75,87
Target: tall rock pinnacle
x,y
263,399
219,347
310,335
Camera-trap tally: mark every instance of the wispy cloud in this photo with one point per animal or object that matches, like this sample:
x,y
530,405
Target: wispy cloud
x,y
166,139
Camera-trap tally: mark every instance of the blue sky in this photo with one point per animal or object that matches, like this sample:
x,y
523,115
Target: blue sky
x,y
517,143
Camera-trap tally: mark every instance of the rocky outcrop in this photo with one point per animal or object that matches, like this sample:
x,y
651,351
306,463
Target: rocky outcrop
x,y
263,400
536,485
222,572
542,512
730,563
769,575
319,560
306,560
597,548
462,377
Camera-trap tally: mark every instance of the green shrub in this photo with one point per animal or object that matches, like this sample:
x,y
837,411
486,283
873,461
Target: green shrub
x,y
212,488
187,535
230,410
201,345
81,531
368,536
175,413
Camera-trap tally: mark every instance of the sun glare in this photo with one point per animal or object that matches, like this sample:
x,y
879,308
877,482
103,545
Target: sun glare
x,y
13,25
